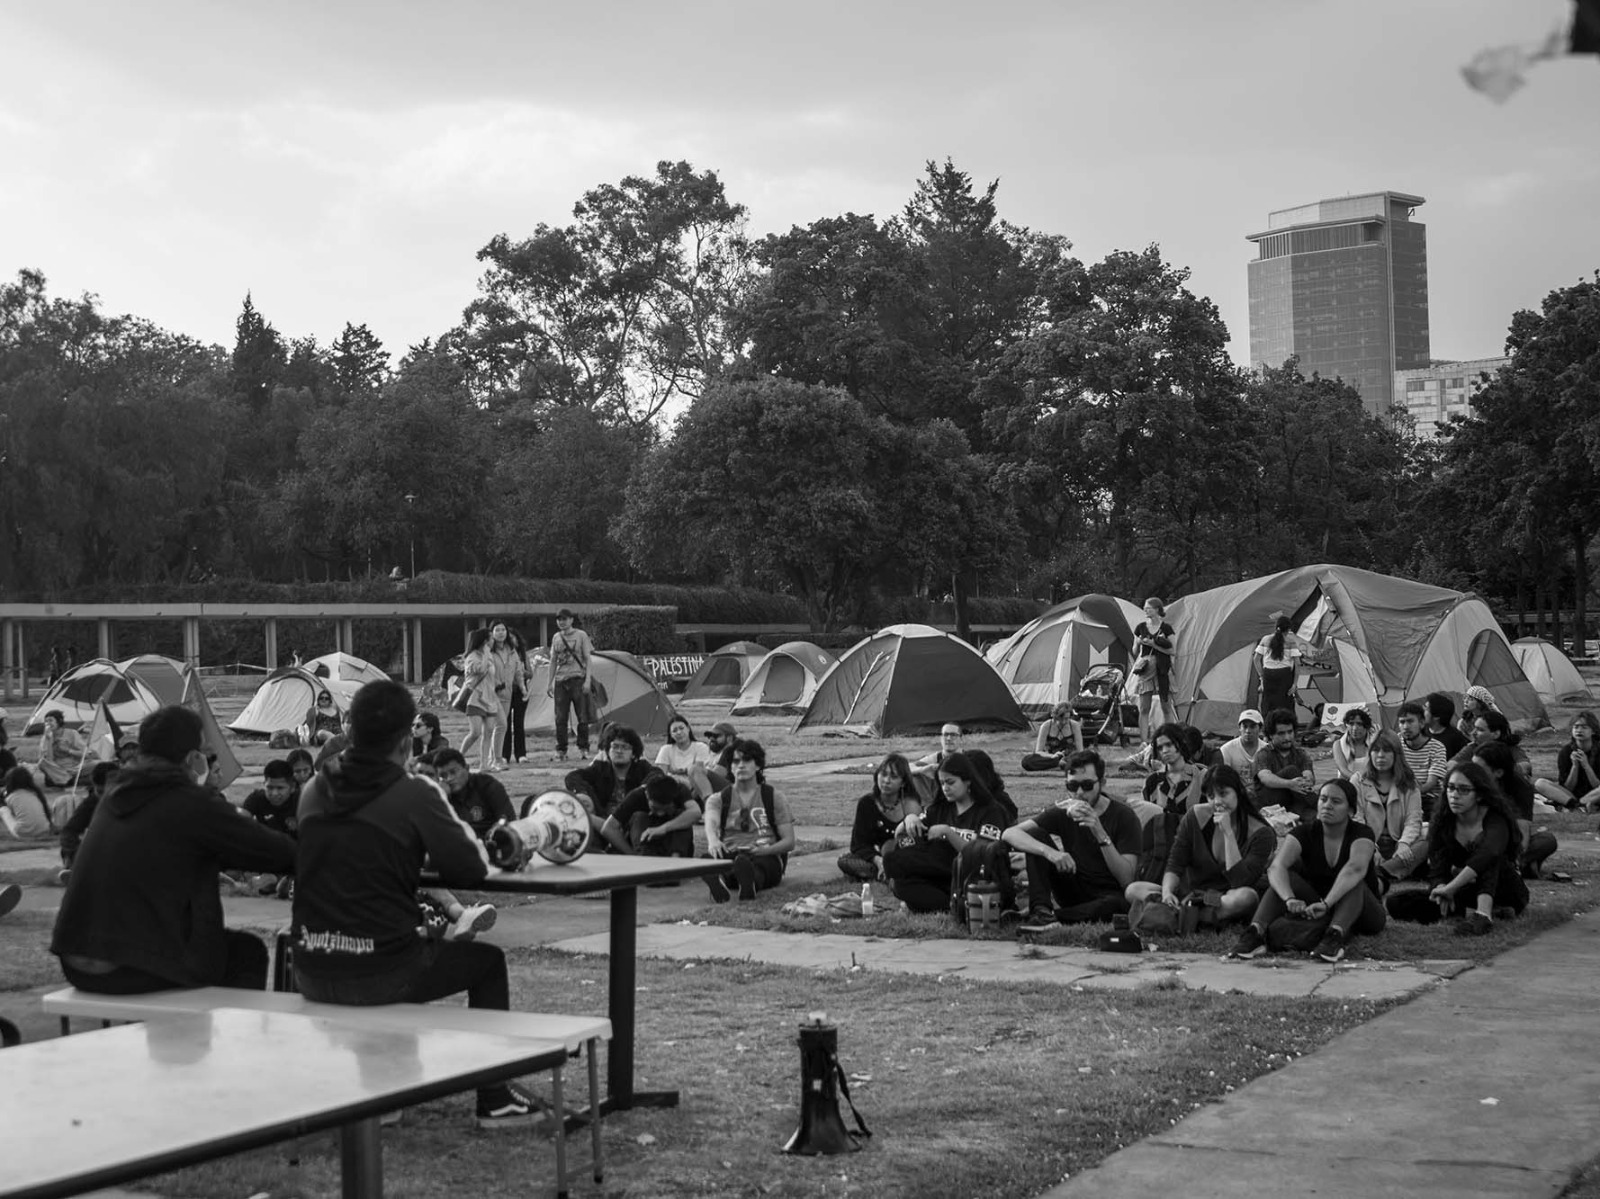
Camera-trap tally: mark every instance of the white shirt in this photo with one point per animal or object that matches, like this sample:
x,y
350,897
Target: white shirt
x,y
680,761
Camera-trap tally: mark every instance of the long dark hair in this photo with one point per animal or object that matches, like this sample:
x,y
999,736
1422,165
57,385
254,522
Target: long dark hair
x,y
961,765
478,638
1223,775
895,764
1278,635
20,778
1500,727
1489,795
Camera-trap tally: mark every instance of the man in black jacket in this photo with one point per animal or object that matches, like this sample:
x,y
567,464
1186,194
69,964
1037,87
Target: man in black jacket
x,y
365,828
141,912
606,782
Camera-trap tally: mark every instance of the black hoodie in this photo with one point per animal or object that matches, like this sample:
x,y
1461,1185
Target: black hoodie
x,y
365,828
143,891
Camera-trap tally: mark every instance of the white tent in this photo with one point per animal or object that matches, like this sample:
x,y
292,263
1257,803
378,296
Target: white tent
x,y
128,697
161,674
345,668
632,697
1550,671
286,697
1044,660
784,682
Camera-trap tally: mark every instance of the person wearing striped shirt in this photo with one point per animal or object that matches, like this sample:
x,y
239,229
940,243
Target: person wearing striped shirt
x,y
1424,754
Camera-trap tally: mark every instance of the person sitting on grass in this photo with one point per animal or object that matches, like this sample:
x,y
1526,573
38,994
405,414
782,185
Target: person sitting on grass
x,y
426,737
1476,701
301,767
749,824
1322,872
323,722
24,811
1284,773
479,799
951,839
925,770
61,752
990,778
141,912
1058,736
1350,748
1424,754
442,911
1240,753
1440,712
366,827
274,806
1474,850
878,813
72,832
1577,781
1491,727
1081,853
1170,790
604,783
1219,854
1497,759
1389,802
656,820
685,757
719,740
8,759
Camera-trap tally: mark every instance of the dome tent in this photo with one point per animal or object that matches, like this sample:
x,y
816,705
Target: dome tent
x,y
1381,638
632,697
785,680
1550,671
724,671
161,674
1044,660
286,697
345,667
129,699
910,678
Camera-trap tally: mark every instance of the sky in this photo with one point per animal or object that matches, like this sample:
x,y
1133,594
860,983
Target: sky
x,y
346,160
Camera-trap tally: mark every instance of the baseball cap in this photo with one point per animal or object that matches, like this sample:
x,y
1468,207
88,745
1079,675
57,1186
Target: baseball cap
x,y
1252,714
725,729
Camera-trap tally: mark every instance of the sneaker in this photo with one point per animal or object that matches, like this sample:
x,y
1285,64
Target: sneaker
x,y
1040,922
507,1106
10,897
718,888
479,918
1251,944
1331,947
745,871
1474,924
859,869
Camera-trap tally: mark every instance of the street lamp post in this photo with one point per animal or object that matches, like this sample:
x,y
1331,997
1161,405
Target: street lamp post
x,y
411,524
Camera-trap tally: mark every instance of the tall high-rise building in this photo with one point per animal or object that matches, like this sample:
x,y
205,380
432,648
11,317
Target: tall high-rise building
x,y
1343,284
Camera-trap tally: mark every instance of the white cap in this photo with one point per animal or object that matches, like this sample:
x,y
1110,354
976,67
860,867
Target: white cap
x,y
1252,714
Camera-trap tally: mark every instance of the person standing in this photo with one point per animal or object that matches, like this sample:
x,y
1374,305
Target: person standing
x,y
1154,638
481,677
514,746
571,677
1280,652
507,681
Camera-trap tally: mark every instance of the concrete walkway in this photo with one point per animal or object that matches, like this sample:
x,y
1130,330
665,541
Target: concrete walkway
x,y
1487,1087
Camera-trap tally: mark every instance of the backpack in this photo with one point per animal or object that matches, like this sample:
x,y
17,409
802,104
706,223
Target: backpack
x,y
767,801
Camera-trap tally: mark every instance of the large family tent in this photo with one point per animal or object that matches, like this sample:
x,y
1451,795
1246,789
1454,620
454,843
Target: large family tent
x,y
785,680
346,668
909,678
129,698
632,697
1377,639
286,697
1045,659
724,671
162,675
1550,671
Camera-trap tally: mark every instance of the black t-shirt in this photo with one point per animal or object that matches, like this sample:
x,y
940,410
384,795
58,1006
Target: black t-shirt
x,y
1162,633
638,800
482,803
282,818
1314,864
986,820
1121,825
1452,739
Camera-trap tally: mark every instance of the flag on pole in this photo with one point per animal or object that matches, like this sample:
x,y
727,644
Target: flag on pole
x,y
227,766
1499,71
102,736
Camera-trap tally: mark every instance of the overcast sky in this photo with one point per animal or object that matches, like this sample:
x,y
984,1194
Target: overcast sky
x,y
345,160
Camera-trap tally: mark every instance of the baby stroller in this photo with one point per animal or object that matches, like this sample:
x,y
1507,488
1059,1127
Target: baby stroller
x,y
1098,705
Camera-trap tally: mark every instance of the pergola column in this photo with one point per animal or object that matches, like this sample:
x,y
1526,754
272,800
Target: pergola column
x,y
269,632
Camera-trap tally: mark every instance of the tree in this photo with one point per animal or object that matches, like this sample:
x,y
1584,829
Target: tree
x,y
259,357
621,312
360,363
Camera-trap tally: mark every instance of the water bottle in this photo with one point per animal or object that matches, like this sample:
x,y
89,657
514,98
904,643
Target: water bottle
x,y
983,901
866,899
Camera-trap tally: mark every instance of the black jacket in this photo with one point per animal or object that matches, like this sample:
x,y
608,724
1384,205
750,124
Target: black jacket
x,y
365,828
598,781
144,882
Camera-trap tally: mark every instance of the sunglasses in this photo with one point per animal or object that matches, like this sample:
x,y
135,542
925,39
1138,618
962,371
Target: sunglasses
x,y
1082,784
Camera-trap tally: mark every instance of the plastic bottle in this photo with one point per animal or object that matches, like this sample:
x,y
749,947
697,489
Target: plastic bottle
x,y
866,899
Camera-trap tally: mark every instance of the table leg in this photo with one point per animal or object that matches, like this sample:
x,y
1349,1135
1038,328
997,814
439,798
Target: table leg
x,y
361,1160
624,982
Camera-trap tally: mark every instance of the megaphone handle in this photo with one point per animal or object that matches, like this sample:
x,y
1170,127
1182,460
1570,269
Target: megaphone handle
x,y
844,1089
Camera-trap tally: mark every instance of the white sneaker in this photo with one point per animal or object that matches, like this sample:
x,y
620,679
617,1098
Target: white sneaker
x,y
479,918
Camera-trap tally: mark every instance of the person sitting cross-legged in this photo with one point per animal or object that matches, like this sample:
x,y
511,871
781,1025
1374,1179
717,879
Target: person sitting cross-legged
x,y
1577,781
748,823
878,813
1537,845
1284,774
1389,802
656,820
950,840
1058,736
603,784
1080,854
1474,852
1322,872
366,827
1219,854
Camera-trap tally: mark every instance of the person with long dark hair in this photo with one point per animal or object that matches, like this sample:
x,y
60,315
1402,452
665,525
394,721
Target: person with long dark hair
x,y
984,765
1154,641
1350,748
878,813
1497,759
481,675
1321,872
1279,652
1474,850
426,737
1490,727
1577,781
959,833
24,811
1389,802
514,744
1059,734
1219,854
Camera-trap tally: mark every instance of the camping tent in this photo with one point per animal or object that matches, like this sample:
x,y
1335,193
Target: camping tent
x,y
1043,661
1550,671
632,697
345,667
162,675
128,697
910,678
286,696
1377,639
785,680
724,671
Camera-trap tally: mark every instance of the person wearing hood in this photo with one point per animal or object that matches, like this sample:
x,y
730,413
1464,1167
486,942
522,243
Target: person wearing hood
x,y
141,911
360,937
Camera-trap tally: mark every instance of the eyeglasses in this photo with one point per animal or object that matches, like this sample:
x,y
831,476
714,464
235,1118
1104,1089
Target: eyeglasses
x,y
1082,784
1456,789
